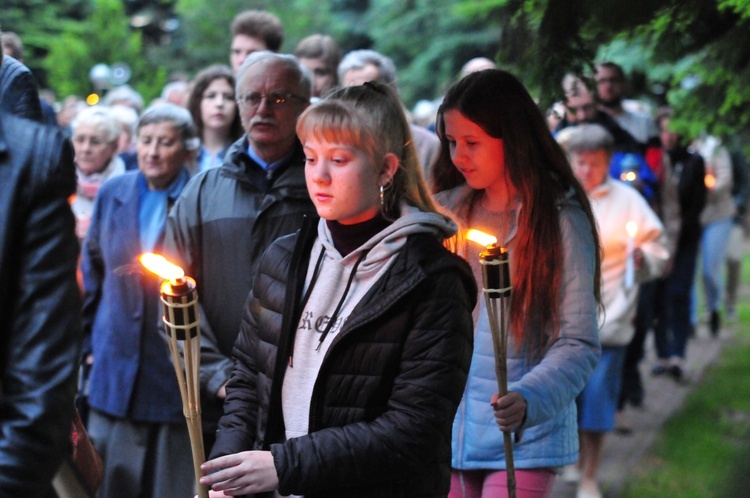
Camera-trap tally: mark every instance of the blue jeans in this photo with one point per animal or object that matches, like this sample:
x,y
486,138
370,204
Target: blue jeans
x,y
673,325
713,253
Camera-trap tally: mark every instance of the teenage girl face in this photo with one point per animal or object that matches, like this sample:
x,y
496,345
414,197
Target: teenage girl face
x,y
218,106
479,157
343,182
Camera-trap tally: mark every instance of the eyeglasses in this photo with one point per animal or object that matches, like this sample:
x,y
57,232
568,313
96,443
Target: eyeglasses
x,y
252,100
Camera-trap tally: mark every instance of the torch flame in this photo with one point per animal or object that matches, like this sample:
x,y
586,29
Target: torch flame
x,y
632,228
480,237
159,265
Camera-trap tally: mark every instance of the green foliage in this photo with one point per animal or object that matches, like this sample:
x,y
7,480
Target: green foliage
x,y
39,23
712,44
659,42
428,41
703,450
206,28
707,40
740,7
104,37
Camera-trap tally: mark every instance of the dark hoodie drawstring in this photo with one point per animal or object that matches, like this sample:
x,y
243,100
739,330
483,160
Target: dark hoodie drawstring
x,y
303,302
314,279
341,301
306,297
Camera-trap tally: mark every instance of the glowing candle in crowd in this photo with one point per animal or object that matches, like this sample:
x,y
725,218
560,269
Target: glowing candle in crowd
x,y
632,228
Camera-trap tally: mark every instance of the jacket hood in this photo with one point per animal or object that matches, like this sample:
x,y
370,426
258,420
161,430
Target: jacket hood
x,y
389,241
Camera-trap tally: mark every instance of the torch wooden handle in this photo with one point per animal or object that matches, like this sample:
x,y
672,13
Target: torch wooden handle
x,y
497,315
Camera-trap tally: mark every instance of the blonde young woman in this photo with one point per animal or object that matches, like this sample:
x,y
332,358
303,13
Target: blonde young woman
x,y
356,339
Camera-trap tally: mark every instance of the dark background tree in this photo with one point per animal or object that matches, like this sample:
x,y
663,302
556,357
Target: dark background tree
x,y
693,54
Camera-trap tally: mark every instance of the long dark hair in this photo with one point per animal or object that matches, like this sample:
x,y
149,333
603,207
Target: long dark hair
x,y
540,173
195,94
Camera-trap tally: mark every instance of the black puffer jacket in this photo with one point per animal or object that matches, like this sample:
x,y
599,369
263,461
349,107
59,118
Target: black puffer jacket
x,y
389,386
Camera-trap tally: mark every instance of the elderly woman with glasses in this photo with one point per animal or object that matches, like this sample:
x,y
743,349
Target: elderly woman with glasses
x,y
136,420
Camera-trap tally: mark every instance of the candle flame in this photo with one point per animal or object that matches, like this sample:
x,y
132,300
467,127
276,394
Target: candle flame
x,y
710,181
480,237
632,228
159,265
629,176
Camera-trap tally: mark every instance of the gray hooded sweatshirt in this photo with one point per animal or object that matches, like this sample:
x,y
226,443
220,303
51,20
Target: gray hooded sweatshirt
x,y
338,285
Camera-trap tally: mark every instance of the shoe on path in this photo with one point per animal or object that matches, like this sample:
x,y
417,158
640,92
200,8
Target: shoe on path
x,y
715,323
571,474
589,492
676,372
659,369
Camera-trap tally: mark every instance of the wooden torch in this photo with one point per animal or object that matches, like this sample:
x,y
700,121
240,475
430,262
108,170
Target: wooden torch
x,y
497,293
179,298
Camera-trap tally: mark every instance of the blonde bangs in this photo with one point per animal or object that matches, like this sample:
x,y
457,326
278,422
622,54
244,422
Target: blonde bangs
x,y
334,123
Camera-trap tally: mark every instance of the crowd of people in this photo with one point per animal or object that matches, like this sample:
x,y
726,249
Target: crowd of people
x,y
346,342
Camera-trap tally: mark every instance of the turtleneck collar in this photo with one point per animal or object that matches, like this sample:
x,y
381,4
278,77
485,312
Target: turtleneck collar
x,y
347,238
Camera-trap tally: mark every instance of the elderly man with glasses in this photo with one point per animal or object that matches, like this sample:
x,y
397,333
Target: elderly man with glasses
x,y
227,216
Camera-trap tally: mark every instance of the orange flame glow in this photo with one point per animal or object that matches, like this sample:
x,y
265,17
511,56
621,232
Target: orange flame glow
x,y
710,181
159,265
480,237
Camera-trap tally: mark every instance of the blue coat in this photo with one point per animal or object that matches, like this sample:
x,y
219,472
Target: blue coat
x,y
132,376
549,385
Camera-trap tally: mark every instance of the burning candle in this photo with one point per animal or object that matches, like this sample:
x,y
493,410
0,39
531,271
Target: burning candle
x,y
629,168
632,228
710,180
628,176
179,297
